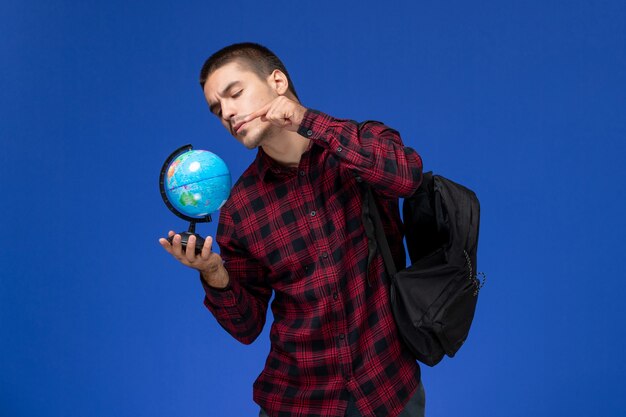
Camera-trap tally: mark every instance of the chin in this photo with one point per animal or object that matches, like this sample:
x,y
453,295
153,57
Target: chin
x,y
252,139
250,145
249,141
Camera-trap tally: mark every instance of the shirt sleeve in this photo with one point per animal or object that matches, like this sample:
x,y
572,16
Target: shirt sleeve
x,y
373,151
241,307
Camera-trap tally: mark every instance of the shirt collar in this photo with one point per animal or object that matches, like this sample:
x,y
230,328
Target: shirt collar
x,y
268,168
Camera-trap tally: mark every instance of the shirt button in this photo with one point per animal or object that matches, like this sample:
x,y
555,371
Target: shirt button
x,y
341,336
339,149
302,173
335,296
313,213
324,255
309,132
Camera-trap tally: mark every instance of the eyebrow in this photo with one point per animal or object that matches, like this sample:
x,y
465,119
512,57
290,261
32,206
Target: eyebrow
x,y
223,93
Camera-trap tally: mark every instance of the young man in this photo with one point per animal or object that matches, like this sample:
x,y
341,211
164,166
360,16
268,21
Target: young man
x,y
293,225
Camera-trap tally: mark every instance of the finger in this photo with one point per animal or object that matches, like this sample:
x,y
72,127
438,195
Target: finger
x,y
206,248
280,114
166,244
177,249
190,251
287,121
259,113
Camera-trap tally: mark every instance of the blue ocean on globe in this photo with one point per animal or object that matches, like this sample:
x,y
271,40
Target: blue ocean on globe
x,y
197,183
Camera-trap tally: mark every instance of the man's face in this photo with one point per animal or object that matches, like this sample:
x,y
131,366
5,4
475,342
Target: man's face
x,y
233,92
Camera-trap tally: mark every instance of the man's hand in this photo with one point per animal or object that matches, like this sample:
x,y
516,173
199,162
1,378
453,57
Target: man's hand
x,y
282,112
207,262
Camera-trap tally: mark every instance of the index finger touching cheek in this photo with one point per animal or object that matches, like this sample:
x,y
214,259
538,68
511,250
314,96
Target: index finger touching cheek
x,y
261,112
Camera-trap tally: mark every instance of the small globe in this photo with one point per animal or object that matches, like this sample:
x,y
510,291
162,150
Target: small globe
x,y
197,183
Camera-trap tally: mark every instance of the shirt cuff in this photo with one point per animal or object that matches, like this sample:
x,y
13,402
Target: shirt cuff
x,y
221,297
314,125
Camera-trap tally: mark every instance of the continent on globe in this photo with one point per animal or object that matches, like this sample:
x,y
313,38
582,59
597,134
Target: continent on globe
x,y
189,199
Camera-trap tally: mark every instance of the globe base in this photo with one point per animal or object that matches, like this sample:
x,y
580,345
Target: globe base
x,y
185,239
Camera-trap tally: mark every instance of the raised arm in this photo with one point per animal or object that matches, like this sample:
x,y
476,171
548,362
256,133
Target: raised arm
x,y
371,150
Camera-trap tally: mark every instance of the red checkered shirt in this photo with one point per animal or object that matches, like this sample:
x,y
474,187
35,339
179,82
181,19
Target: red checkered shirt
x,y
298,232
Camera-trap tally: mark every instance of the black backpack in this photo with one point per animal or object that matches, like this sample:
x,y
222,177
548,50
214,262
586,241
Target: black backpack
x,y
434,299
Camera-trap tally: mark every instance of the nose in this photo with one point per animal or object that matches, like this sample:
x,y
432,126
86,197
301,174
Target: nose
x,y
228,112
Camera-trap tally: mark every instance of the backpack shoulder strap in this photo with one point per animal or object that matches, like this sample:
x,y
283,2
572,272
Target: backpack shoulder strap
x,y
376,233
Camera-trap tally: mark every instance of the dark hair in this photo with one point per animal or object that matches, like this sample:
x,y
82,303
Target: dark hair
x,y
255,57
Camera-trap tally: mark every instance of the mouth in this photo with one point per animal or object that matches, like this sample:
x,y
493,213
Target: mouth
x,y
237,128
237,122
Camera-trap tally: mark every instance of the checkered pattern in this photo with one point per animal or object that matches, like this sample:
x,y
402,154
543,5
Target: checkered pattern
x,y
298,232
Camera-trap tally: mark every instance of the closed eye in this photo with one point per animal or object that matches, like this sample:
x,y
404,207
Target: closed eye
x,y
237,94
215,109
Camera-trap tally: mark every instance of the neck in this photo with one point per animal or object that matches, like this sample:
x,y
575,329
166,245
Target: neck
x,y
286,148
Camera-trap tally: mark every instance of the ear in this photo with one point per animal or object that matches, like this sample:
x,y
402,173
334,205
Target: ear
x,y
279,82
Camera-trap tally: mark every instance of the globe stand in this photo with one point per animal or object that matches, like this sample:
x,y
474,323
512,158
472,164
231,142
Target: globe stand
x,y
191,231
184,237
